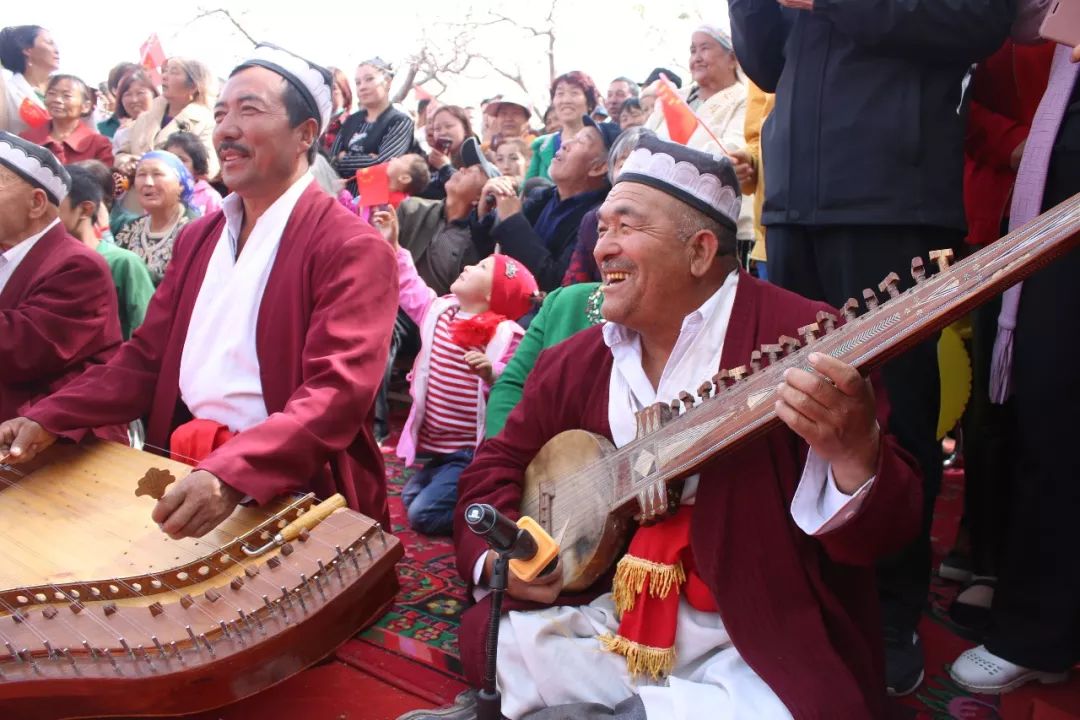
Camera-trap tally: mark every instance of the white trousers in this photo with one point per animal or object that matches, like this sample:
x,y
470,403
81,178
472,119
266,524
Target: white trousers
x,y
553,657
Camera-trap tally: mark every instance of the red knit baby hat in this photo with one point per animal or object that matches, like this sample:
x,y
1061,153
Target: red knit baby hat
x,y
512,287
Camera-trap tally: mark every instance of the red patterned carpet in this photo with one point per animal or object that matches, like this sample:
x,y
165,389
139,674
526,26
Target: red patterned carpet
x,y
409,658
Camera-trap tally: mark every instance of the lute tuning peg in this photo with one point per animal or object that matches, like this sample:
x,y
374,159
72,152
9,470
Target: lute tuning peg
x,y
918,269
870,298
851,309
755,361
891,285
705,390
809,332
687,400
738,373
773,352
826,321
789,344
943,258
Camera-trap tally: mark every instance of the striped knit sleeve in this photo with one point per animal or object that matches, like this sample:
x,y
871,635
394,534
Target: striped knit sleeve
x,y
395,141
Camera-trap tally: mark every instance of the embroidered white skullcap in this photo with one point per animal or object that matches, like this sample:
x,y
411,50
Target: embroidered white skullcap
x,y
313,81
705,182
35,165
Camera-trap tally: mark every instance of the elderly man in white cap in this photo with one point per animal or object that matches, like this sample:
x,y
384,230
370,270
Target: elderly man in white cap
x,y
57,306
264,345
771,608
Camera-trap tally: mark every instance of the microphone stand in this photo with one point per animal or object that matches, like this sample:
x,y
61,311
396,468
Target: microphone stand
x,y
489,701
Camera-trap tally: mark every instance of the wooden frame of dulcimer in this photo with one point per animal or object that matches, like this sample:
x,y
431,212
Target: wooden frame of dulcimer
x,y
587,495
102,615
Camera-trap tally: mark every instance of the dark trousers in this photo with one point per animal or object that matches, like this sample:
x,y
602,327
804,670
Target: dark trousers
x,y
989,434
1036,610
836,263
406,341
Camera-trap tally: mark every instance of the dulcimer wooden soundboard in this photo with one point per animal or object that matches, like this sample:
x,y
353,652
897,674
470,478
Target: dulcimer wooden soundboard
x,y
102,614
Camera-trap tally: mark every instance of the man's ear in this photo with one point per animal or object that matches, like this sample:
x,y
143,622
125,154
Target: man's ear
x,y
701,249
598,169
39,204
309,133
88,210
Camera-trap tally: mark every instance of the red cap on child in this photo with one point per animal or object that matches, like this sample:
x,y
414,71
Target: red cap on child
x,y
512,287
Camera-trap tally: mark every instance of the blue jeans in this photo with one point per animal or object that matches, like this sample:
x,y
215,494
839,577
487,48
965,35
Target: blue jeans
x,y
431,494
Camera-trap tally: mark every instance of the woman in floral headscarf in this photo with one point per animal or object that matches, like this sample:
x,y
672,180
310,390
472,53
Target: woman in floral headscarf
x,y
164,188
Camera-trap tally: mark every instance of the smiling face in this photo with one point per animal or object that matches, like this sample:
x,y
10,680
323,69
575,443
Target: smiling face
x,y
252,136
372,86
136,99
643,261
580,156
570,103
43,53
157,186
512,120
66,100
473,285
711,65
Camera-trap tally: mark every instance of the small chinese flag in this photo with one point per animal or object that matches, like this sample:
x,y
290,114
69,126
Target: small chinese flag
x,y
152,57
33,114
373,185
681,120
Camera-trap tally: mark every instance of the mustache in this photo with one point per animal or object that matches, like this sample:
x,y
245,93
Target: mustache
x,y
616,266
231,145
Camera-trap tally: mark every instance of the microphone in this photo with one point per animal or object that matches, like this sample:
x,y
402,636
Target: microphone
x,y
501,533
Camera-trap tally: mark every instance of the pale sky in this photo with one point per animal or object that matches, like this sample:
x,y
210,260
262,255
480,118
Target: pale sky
x,y
605,39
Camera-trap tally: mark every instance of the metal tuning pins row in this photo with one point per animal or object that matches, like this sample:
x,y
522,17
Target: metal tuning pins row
x,y
890,286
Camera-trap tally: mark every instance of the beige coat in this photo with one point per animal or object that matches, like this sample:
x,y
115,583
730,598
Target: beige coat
x,y
146,133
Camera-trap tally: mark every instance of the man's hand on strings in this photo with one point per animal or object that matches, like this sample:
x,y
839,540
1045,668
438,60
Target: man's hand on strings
x,y
195,505
834,411
21,439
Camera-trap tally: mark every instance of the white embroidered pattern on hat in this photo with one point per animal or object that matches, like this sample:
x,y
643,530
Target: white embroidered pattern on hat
x,y
29,166
706,187
511,269
301,69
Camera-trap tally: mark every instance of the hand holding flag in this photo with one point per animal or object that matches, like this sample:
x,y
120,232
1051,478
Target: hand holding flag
x,y
681,120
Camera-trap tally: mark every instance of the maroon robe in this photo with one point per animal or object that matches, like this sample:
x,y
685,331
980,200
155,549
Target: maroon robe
x,y
58,317
801,610
322,339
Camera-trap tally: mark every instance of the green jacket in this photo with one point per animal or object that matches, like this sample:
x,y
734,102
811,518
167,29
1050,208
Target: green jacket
x,y
565,311
134,286
543,152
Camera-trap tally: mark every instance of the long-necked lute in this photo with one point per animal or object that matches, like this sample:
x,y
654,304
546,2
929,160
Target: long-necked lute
x,y
587,494
102,615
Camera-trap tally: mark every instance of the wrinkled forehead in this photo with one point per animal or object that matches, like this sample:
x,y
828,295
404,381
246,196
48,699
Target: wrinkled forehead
x,y
634,201
253,83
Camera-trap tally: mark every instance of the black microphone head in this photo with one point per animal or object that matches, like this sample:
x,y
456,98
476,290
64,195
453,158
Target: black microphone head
x,y
480,517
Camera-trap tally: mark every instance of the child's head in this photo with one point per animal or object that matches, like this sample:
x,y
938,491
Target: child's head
x,y
512,157
498,283
408,174
189,148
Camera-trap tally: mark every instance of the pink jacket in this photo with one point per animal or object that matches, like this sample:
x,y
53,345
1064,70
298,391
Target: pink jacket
x,y
421,304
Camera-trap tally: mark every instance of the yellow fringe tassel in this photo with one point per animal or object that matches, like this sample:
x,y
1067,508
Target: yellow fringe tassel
x,y
641,659
631,574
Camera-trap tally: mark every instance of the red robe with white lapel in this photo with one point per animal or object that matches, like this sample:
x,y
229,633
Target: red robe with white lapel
x,y
802,611
58,316
322,339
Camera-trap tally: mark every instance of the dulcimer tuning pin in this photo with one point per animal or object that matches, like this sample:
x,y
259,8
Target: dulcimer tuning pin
x,y
918,269
705,390
943,258
772,352
891,285
851,309
687,400
827,321
809,332
789,344
755,360
870,298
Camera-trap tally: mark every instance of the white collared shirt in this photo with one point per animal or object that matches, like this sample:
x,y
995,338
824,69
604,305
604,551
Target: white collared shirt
x,y
219,368
10,260
695,358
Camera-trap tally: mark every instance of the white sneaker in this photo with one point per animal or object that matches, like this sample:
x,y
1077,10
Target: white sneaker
x,y
980,671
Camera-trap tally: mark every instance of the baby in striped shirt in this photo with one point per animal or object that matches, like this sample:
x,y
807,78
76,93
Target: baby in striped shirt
x,y
467,338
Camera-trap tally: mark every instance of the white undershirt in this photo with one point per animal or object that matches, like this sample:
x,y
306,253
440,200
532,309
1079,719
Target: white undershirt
x,y
219,368
10,260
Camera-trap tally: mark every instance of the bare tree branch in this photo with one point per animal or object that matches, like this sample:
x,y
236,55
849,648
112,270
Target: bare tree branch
x,y
229,16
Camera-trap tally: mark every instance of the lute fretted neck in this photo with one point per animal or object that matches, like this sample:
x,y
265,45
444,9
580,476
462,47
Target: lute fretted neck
x,y
738,406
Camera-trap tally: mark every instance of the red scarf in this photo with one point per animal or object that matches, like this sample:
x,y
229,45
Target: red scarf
x,y
648,579
475,332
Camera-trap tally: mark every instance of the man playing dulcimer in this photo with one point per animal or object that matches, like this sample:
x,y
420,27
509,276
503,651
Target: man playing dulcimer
x,y
771,610
272,322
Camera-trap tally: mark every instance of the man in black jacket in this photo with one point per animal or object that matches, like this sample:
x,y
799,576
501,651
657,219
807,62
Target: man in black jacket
x,y
542,230
864,160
